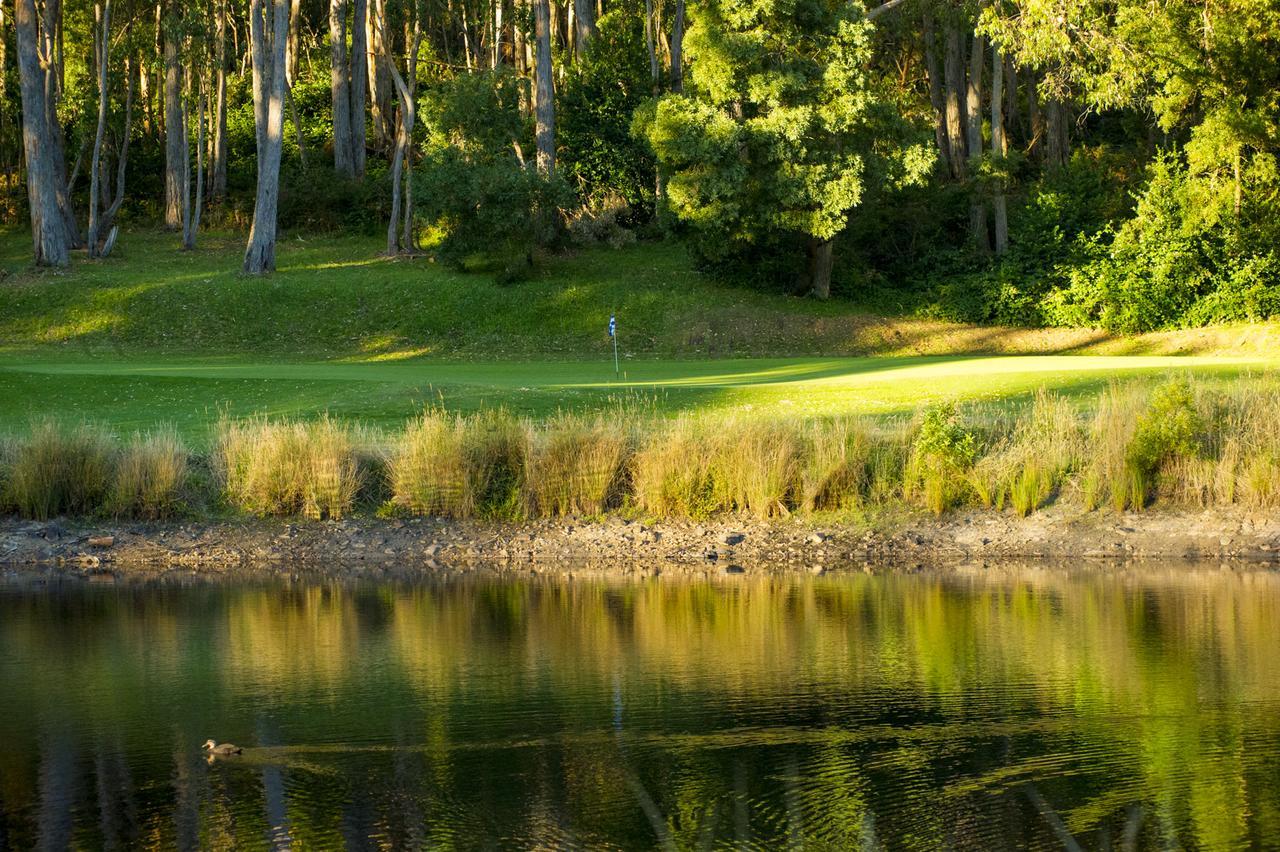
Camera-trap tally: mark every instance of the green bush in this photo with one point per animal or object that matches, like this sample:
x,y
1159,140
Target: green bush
x,y
1170,428
477,182
941,457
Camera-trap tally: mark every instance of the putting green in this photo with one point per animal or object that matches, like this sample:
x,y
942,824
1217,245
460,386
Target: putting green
x,y
129,393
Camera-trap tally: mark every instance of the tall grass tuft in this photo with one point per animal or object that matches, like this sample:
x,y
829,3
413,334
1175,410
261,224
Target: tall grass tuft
x,y
836,471
288,467
672,471
755,466
150,475
57,470
576,466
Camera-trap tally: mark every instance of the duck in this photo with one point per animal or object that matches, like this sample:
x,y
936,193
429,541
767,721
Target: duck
x,y
221,748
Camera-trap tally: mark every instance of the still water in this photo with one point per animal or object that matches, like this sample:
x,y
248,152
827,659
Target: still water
x,y
1015,708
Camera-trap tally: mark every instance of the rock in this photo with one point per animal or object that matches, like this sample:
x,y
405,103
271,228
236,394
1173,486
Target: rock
x,y
732,538
710,555
734,569
432,550
819,538
101,540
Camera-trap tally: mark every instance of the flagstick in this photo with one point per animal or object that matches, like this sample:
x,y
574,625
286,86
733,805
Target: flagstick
x,y
615,355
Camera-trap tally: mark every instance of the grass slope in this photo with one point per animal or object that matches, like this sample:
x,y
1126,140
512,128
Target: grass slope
x,y
155,334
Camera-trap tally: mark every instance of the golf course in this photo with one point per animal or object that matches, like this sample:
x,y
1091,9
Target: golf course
x,y
159,337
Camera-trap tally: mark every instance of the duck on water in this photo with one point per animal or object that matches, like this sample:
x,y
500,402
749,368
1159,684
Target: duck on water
x,y
221,748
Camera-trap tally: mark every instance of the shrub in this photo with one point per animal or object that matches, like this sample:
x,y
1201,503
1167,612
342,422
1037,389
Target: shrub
x,y
59,470
150,475
288,467
599,220
942,456
1170,428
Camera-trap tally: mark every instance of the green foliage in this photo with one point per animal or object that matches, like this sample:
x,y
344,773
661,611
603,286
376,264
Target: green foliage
x,y
1170,265
597,150
474,185
941,456
778,135
1171,427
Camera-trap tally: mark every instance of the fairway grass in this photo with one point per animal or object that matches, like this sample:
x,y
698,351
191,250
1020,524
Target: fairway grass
x,y
191,394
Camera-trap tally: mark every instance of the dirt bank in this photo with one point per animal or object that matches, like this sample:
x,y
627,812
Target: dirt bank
x,y
728,545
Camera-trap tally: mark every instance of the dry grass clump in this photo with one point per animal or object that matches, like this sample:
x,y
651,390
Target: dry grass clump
x,y
576,466
672,471
150,475
755,465
288,467
460,466
57,470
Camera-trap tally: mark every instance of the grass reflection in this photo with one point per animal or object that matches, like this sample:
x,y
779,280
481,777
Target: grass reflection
x,y
916,711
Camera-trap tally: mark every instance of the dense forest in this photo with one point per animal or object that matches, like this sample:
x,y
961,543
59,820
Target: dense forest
x,y
1034,162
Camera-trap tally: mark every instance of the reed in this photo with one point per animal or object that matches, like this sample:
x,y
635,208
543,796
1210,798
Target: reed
x,y
150,475
1180,443
58,469
287,467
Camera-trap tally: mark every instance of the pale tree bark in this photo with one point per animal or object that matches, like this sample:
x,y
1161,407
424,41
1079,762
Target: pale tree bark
x,y
295,31
496,54
107,225
191,210
400,234
48,233
174,126
379,81
937,98
102,37
977,204
51,60
545,104
218,168
953,75
677,49
4,74
649,43
584,26
269,36
359,67
340,88
999,148
1012,122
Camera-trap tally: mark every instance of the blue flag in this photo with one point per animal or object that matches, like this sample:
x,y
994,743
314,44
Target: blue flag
x,y
613,326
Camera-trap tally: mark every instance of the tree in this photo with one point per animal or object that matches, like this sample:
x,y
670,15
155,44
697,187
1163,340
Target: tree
x,y
400,237
545,107
347,85
48,231
784,128
268,37
175,121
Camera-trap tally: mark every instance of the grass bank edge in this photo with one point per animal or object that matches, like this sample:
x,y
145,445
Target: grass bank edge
x,y
1184,443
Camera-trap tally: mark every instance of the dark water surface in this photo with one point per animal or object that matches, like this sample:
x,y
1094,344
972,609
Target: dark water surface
x,y
988,709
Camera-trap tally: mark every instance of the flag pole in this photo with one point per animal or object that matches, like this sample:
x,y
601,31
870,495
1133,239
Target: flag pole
x,y
613,332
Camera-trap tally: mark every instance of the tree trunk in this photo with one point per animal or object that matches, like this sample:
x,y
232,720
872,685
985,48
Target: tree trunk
x,y
937,98
174,122
269,36
953,75
649,43
48,234
295,31
404,137
999,148
340,88
102,12
677,49
977,61
584,26
379,81
4,92
1013,130
820,252
497,33
1035,116
51,39
545,105
1056,137
122,162
218,181
359,68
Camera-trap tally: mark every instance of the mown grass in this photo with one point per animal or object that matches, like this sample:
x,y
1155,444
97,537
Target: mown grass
x,y
1185,443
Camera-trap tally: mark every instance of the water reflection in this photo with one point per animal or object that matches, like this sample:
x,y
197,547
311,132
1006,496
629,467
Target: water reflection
x,y
981,709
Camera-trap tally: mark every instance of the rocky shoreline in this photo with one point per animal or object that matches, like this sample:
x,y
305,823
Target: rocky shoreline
x,y
724,546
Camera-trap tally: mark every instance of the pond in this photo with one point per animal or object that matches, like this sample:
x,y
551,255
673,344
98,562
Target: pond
x,y
986,708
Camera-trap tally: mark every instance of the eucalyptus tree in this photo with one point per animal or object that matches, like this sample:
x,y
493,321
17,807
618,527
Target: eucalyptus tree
x,y
348,72
544,101
269,31
48,230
